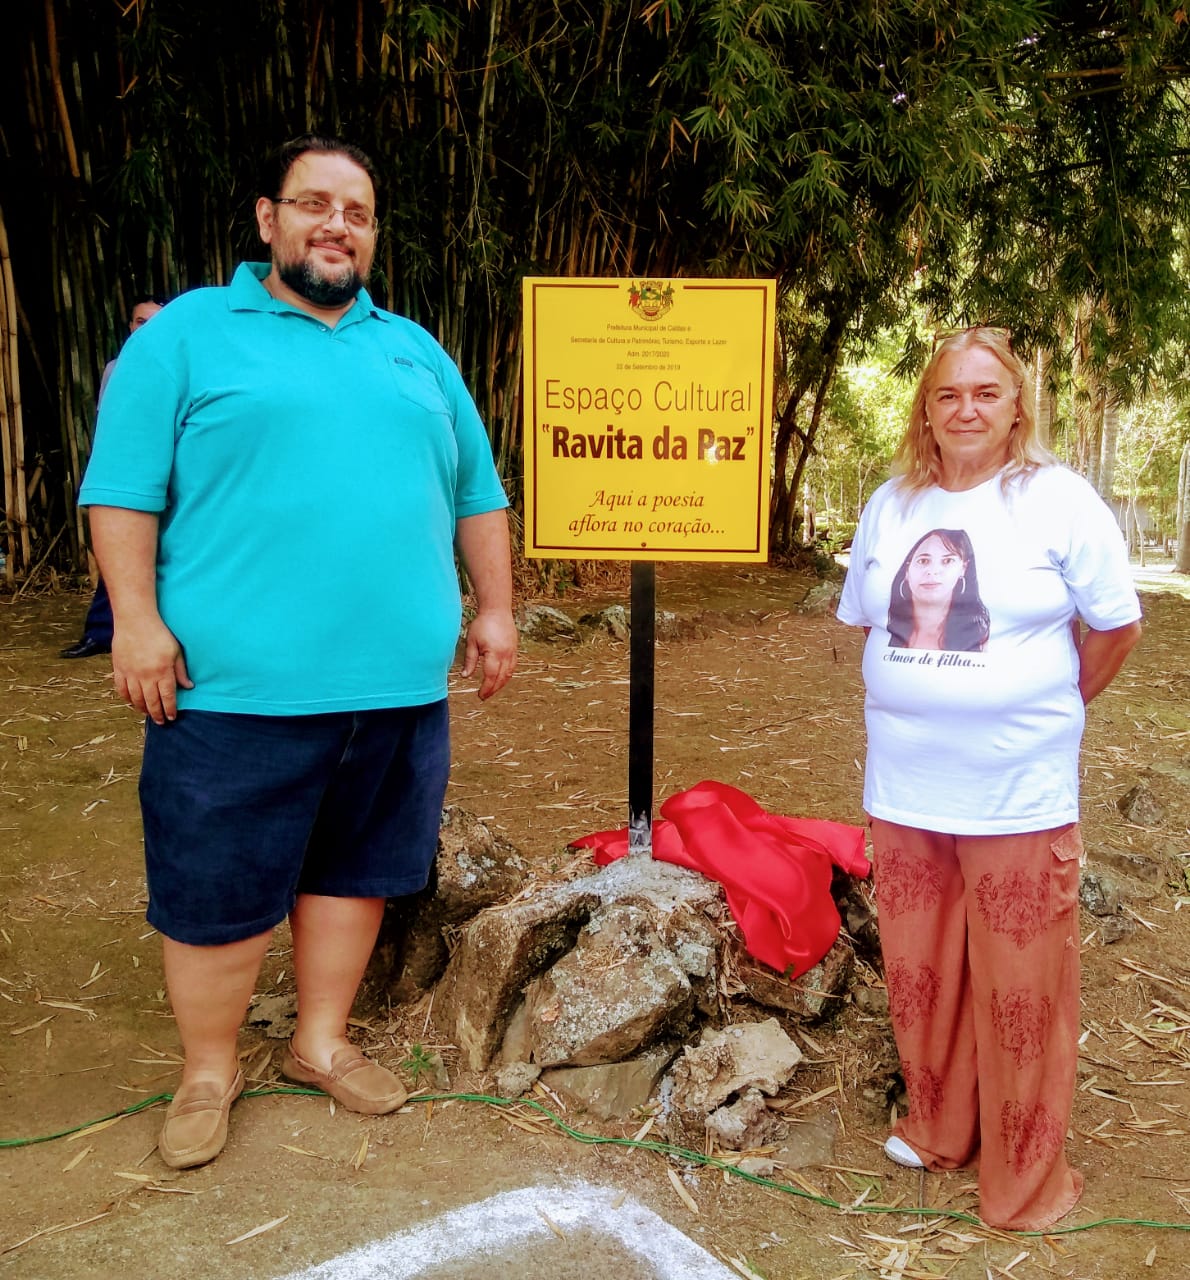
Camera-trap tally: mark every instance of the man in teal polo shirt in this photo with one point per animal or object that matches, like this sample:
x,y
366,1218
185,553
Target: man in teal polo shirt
x,y
281,478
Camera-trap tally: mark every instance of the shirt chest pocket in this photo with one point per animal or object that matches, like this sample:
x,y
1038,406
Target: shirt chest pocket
x,y
416,388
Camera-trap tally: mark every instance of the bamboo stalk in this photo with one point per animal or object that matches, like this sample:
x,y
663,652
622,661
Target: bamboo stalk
x,y
51,36
11,428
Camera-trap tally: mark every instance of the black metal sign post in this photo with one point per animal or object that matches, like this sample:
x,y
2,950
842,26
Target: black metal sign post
x,y
640,708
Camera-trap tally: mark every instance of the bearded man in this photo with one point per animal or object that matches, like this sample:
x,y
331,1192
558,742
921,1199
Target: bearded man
x,y
282,475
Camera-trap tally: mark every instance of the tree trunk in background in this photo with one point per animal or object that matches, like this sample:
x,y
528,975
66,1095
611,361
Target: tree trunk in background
x,y
1044,398
1182,552
1085,453
1108,435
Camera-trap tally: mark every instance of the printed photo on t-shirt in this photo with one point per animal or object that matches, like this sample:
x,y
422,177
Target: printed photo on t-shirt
x,y
935,603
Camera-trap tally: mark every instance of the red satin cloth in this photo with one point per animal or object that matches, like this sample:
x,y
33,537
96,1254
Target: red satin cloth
x,y
775,871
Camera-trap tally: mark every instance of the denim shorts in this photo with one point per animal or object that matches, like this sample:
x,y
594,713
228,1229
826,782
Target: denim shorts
x,y
242,813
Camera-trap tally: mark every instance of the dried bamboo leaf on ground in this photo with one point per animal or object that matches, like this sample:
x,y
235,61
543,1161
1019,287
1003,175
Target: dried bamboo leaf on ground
x,y
258,1231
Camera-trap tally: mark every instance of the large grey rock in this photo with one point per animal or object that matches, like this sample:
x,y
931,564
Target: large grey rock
x,y
474,869
821,598
750,1055
686,908
612,1091
544,622
505,947
661,887
500,951
614,620
1142,807
611,996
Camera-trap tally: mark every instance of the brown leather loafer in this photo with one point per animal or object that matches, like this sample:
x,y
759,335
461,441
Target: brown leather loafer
x,y
195,1128
357,1082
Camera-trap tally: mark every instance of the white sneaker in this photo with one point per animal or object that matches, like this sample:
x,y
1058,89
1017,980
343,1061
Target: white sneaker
x,y
903,1154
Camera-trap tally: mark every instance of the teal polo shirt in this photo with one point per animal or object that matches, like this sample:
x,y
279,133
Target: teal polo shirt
x,y
308,481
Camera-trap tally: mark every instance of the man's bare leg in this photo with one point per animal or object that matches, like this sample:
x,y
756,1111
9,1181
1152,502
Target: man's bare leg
x,y
209,989
332,944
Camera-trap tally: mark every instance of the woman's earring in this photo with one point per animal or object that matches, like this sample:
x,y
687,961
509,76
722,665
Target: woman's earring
x,y
962,584
904,593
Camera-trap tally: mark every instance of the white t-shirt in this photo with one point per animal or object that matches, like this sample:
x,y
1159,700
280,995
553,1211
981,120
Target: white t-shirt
x,y
981,736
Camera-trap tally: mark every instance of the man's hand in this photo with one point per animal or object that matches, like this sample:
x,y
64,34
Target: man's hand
x,y
491,637
492,641
149,667
147,660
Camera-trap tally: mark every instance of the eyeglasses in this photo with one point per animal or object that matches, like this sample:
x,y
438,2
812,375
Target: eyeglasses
x,y
941,335
357,218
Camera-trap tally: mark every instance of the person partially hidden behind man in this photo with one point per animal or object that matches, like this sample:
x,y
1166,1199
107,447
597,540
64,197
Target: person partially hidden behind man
x,y
97,627
256,437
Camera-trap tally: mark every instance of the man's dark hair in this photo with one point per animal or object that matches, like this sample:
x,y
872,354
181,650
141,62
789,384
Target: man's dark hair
x,y
289,151
158,299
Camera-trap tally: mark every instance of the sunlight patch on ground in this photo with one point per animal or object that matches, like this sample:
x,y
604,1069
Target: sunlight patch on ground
x,y
1161,577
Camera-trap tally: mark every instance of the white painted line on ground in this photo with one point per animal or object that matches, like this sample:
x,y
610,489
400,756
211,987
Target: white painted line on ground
x,y
511,1225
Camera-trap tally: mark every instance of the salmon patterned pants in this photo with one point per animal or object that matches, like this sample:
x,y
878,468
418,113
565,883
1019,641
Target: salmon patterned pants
x,y
981,958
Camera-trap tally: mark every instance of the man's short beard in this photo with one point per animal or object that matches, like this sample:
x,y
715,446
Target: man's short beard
x,y
302,278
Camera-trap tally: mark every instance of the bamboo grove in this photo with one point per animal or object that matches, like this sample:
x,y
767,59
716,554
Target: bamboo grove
x,y
1013,161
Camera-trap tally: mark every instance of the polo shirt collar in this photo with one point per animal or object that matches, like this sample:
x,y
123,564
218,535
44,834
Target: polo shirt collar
x,y
247,293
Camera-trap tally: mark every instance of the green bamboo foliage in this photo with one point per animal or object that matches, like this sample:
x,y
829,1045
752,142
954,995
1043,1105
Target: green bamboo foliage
x,y
871,157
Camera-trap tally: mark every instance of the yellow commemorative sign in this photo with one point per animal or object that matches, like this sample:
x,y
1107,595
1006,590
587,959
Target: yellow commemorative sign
x,y
648,411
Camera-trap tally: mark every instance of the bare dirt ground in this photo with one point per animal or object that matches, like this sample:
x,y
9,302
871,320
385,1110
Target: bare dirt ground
x,y
763,698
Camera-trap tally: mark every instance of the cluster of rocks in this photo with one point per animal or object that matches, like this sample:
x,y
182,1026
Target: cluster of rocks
x,y
537,621
600,985
630,983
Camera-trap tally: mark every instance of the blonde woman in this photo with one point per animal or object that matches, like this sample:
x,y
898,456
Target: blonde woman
x,y
972,768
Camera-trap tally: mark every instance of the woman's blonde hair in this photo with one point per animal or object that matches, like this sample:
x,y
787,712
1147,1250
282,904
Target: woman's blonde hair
x,y
918,461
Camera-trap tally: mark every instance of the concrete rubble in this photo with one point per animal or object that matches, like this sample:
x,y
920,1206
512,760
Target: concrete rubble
x,y
742,1124
599,985
730,1060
